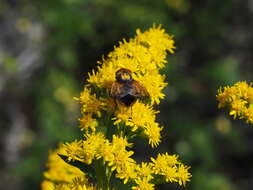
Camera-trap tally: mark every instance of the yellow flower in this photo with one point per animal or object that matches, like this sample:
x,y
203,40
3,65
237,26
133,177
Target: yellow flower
x,y
140,116
144,171
59,171
77,184
80,183
164,160
109,105
109,126
242,88
170,174
87,122
153,132
121,159
239,98
74,151
248,113
89,102
47,185
106,152
85,150
118,158
126,171
143,184
115,151
237,107
169,167
144,55
183,174
249,95
154,83
120,143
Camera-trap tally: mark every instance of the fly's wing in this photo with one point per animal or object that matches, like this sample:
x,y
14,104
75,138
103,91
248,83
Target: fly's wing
x,y
116,90
139,90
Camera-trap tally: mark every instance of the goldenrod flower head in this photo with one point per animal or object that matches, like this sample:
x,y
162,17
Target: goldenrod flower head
x,y
144,55
153,132
59,171
121,160
109,126
106,152
239,98
172,169
164,160
248,114
143,184
183,174
89,102
126,171
85,150
118,158
74,151
88,122
238,107
144,170
78,183
120,143
91,145
140,116
170,174
154,83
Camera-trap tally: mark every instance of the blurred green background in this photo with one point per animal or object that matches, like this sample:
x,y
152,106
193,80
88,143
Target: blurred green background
x,y
47,48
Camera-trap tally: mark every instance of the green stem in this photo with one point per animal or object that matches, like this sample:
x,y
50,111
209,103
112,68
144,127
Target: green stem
x,y
109,131
103,175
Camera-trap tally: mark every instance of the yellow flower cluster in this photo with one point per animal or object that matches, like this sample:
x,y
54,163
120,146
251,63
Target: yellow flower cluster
x,y
119,159
91,108
85,150
239,98
142,117
171,168
62,176
109,127
144,55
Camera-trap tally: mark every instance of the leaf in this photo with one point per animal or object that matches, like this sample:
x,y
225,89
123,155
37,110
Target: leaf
x,y
87,169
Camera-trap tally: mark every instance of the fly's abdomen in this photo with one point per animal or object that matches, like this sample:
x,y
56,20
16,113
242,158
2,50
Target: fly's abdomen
x,y
128,100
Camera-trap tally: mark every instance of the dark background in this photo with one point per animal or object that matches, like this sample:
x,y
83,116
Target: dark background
x,y
47,47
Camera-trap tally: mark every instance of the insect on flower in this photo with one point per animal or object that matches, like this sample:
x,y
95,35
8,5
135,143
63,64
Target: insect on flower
x,y
125,89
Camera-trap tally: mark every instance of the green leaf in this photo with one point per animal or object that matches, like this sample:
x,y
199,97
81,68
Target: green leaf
x,y
87,169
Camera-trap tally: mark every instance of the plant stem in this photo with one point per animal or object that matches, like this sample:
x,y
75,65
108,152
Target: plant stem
x,y
103,175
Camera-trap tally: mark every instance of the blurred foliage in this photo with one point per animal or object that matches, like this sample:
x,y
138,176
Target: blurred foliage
x,y
213,49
